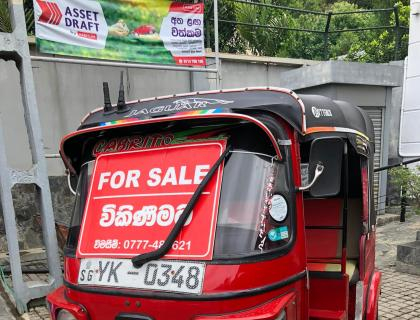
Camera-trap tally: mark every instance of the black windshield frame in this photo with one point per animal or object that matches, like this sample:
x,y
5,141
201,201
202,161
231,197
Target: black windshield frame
x,y
70,249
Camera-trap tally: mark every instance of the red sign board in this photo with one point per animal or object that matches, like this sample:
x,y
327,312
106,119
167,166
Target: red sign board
x,y
135,199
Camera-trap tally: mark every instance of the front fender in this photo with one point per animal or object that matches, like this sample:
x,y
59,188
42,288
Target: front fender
x,y
58,300
374,291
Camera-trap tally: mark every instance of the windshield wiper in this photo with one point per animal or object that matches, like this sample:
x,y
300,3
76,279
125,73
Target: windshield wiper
x,y
141,259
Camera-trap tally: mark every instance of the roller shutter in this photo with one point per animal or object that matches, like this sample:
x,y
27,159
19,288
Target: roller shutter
x,y
376,116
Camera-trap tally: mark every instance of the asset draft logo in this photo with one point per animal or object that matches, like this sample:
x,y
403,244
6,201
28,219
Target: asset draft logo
x,y
319,112
179,105
73,22
50,12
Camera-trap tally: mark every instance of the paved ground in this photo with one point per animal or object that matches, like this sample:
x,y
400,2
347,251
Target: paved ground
x,y
38,313
5,312
392,234
400,297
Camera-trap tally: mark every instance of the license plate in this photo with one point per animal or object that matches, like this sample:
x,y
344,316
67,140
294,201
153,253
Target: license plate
x,y
163,275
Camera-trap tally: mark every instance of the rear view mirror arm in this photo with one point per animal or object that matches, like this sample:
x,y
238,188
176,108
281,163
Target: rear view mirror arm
x,y
318,171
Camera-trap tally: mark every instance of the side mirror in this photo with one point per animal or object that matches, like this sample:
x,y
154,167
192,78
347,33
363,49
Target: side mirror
x,y
325,153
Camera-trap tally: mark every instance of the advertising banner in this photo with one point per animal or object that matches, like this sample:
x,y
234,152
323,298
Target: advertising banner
x,y
146,31
136,197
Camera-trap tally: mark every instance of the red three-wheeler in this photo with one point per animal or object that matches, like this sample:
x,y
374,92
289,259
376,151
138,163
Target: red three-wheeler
x,y
250,203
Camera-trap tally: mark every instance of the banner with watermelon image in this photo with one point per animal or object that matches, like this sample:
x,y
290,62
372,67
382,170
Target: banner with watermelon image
x,y
144,31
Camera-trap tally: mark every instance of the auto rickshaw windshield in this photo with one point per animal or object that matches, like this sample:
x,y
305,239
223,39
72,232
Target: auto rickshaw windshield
x,y
255,213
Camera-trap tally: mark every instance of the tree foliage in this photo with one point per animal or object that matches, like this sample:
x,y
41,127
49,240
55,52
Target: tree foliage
x,y
272,39
5,21
410,178
5,24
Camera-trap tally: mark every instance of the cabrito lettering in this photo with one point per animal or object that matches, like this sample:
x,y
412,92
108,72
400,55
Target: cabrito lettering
x,y
132,143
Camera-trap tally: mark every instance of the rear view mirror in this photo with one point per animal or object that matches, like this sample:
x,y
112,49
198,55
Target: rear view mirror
x,y
326,152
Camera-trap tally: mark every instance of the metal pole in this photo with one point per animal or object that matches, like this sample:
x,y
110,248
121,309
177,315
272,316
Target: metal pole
x,y
9,219
326,32
216,43
403,200
397,165
266,26
345,208
14,46
120,64
397,33
274,6
208,27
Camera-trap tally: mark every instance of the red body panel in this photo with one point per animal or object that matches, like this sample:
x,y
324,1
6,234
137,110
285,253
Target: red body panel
x,y
373,298
219,279
323,212
328,295
228,278
59,300
369,264
267,311
301,298
108,307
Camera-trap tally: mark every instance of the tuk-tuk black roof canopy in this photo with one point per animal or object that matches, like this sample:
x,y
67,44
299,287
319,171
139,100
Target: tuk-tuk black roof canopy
x,y
306,113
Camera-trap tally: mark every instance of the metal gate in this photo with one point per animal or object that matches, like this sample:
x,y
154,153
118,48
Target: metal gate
x,y
376,115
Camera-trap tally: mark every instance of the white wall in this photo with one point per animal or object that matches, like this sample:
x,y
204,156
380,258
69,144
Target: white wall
x,y
409,127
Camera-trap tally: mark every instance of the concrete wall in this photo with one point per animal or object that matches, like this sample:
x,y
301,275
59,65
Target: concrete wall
x,y
66,92
359,95
362,84
237,74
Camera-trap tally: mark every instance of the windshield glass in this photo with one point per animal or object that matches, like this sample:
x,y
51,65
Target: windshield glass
x,y
246,211
79,204
255,207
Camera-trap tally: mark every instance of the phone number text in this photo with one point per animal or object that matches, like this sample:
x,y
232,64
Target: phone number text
x,y
139,244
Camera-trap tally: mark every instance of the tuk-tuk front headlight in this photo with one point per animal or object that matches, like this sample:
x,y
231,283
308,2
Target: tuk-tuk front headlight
x,y
65,315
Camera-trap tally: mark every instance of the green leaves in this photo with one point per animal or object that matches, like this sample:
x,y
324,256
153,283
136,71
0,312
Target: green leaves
x,y
410,178
262,40
5,24
272,40
5,21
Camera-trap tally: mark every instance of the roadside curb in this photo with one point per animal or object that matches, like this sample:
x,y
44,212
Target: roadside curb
x,y
386,218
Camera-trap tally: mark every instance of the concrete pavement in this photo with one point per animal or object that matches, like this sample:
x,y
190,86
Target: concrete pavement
x,y
5,312
400,298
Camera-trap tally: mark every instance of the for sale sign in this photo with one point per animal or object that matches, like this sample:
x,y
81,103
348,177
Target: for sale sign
x,y
136,198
